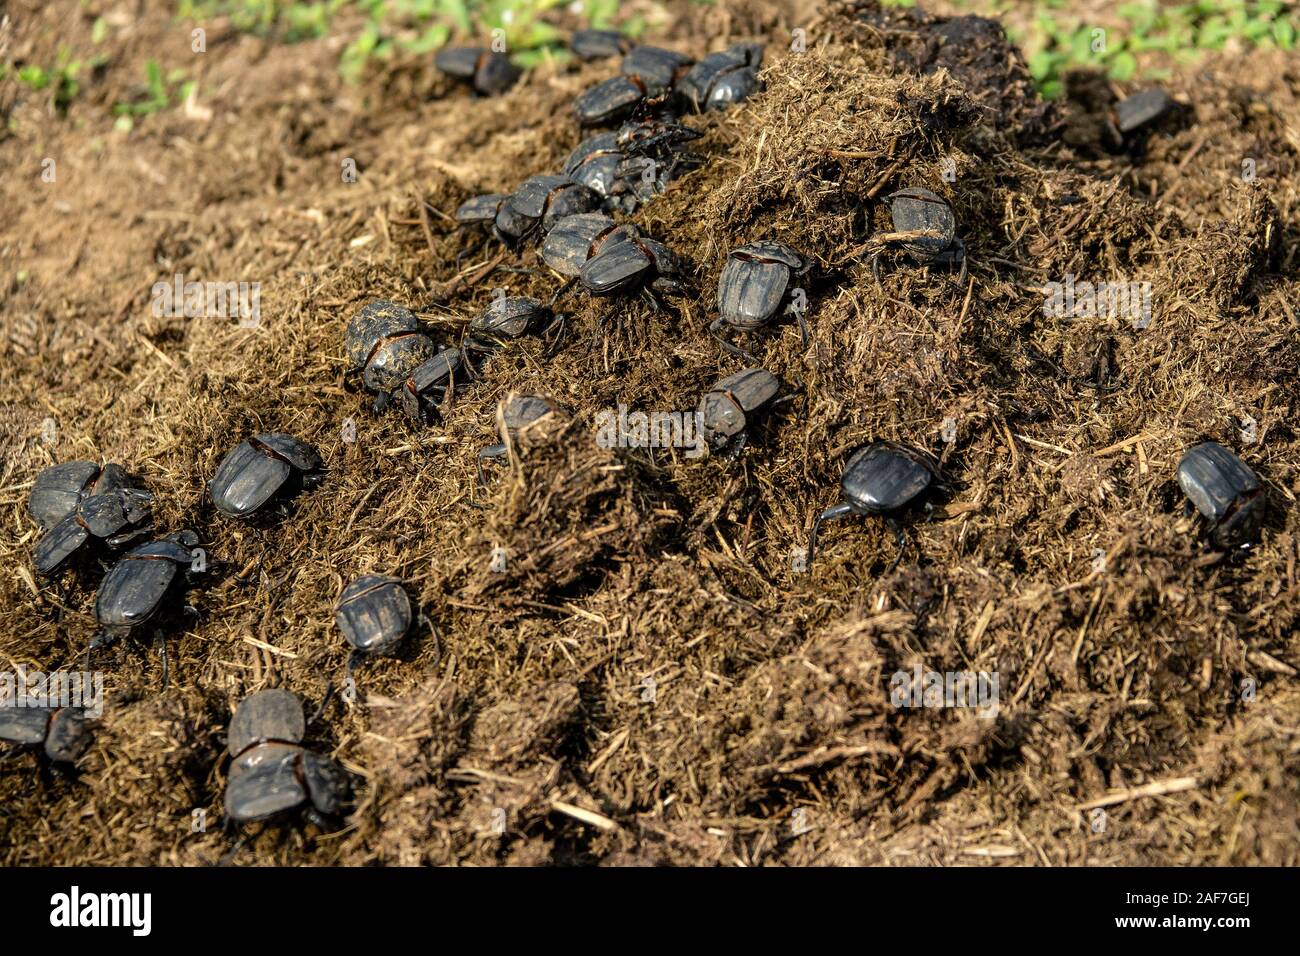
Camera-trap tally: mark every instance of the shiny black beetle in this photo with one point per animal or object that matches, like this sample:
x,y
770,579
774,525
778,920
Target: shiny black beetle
x,y
61,733
491,73
271,772
116,517
634,264
725,410
428,386
1142,110
755,287
598,44
655,65
881,478
384,342
724,78
261,470
631,165
519,412
480,210
136,588
1224,490
58,490
539,203
575,239
924,228
374,614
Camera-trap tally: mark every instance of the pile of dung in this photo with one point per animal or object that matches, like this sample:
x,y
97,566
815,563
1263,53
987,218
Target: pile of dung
x,y
623,659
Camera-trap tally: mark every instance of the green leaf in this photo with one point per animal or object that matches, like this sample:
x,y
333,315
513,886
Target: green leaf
x,y
1284,34
1123,66
99,31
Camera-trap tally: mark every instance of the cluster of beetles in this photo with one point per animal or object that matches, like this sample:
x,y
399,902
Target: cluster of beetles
x,y
99,515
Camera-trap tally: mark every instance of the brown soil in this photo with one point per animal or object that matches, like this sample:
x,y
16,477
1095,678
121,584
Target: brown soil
x,y
649,681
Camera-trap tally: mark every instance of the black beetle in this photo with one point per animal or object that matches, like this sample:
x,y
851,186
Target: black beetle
x,y
540,202
61,733
631,165
271,772
1224,490
384,342
880,478
1142,109
598,44
430,384
619,97
519,412
754,287
263,469
726,408
58,490
635,263
374,614
654,65
925,228
721,79
510,317
135,588
115,517
490,72
575,239
480,210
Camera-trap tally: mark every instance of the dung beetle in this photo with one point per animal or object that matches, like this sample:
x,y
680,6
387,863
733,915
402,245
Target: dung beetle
x,y
1224,490
754,287
1141,110
135,588
880,478
480,210
575,239
631,165
430,384
636,263
540,202
723,78
598,44
61,733
374,614
619,97
726,408
262,469
490,72
58,490
510,317
595,161
925,228
115,517
384,342
271,772
654,65
519,412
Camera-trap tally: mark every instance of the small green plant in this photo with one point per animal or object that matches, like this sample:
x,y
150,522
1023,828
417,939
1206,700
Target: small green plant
x,y
60,79
159,92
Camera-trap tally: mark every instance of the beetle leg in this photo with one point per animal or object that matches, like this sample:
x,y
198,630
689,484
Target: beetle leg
x,y
380,403
161,643
736,350
830,514
561,321
437,637
11,752
899,537
329,695
803,327
875,268
738,446
491,451
561,290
